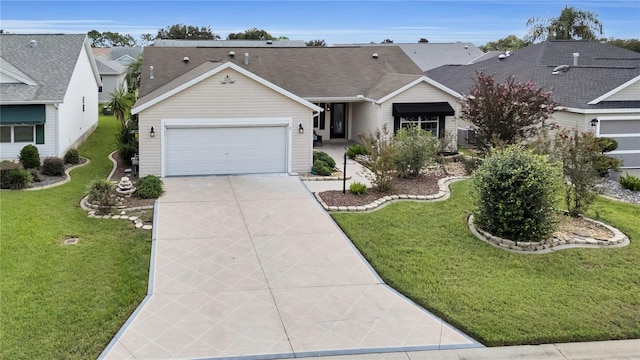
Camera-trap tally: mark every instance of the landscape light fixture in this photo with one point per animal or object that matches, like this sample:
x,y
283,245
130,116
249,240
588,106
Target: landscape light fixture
x,y
300,129
594,122
152,133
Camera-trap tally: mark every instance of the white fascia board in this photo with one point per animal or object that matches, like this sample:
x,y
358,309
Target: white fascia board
x,y
599,111
20,78
418,81
339,99
92,61
619,88
228,65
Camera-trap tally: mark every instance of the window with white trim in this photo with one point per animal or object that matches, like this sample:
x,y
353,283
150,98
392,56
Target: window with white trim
x,y
426,122
17,134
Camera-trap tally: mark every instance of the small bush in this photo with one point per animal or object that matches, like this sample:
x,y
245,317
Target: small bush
x,y
415,148
470,163
72,157
6,167
606,144
358,188
514,192
18,179
101,194
321,168
29,157
603,163
149,187
323,156
381,159
630,182
53,166
126,152
355,150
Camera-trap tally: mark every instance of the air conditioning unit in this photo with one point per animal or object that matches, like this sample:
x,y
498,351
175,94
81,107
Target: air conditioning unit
x,y
466,136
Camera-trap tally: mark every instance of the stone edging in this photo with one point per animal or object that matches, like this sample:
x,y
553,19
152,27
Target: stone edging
x,y
443,193
338,175
66,179
554,244
114,162
91,210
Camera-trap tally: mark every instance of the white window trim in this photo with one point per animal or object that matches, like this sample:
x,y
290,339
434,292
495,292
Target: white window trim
x,y
420,121
13,136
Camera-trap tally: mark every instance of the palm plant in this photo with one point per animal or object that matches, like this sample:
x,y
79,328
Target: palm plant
x,y
133,74
120,103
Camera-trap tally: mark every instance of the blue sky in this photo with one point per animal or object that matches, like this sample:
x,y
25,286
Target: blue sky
x,y
333,21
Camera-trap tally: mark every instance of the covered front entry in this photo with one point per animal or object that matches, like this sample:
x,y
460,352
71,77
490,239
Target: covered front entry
x,y
429,116
201,150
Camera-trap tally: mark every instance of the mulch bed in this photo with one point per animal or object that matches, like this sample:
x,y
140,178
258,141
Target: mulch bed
x,y
425,184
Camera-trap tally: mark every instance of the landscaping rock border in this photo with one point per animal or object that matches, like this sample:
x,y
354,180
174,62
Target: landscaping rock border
x,y
553,244
443,193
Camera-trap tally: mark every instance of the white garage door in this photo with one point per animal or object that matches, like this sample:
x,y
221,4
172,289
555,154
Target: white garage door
x,y
226,150
626,131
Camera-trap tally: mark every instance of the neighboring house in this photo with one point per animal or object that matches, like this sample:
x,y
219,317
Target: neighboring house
x,y
124,55
228,43
432,55
254,110
598,90
113,76
48,93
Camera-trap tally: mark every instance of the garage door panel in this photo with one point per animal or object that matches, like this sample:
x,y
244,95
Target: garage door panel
x,y
226,150
619,127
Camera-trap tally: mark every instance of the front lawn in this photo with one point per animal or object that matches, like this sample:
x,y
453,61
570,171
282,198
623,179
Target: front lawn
x,y
67,301
426,251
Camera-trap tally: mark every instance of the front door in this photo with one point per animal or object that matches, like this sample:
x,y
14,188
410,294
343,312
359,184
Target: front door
x,y
338,120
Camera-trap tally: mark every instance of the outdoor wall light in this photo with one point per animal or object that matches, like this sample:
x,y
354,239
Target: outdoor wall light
x,y
152,133
300,129
594,122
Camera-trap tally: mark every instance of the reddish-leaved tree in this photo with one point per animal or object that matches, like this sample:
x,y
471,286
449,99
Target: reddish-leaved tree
x,y
506,113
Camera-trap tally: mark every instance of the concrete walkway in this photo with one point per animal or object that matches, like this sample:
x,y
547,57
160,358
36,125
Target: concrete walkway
x,y
251,266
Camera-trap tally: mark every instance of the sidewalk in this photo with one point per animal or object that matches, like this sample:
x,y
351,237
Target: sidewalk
x,y
599,350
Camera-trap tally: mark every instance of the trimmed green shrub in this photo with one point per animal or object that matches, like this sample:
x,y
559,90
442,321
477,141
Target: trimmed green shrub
x,y
321,168
514,192
29,157
72,157
381,159
53,166
630,182
323,156
101,194
126,152
415,148
149,187
358,188
606,144
470,163
603,163
6,167
355,150
18,179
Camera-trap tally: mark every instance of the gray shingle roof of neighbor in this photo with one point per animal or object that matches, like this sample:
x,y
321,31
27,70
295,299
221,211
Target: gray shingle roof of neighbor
x,y
50,64
310,72
228,43
109,67
601,68
432,55
119,51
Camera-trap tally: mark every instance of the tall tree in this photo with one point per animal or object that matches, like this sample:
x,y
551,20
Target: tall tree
x,y
572,23
629,44
510,42
145,39
181,31
316,43
251,34
506,113
110,39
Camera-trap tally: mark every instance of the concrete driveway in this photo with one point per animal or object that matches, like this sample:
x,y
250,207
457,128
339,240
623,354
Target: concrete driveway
x,y
252,266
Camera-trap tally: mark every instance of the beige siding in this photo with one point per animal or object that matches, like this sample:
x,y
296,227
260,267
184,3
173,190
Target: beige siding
x,y
568,120
364,119
631,92
422,92
209,99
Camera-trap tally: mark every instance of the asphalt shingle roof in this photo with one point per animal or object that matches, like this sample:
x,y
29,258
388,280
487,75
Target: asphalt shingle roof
x,y
50,64
601,68
310,72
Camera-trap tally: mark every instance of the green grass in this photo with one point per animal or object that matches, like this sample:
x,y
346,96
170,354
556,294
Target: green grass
x,y
67,302
426,251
